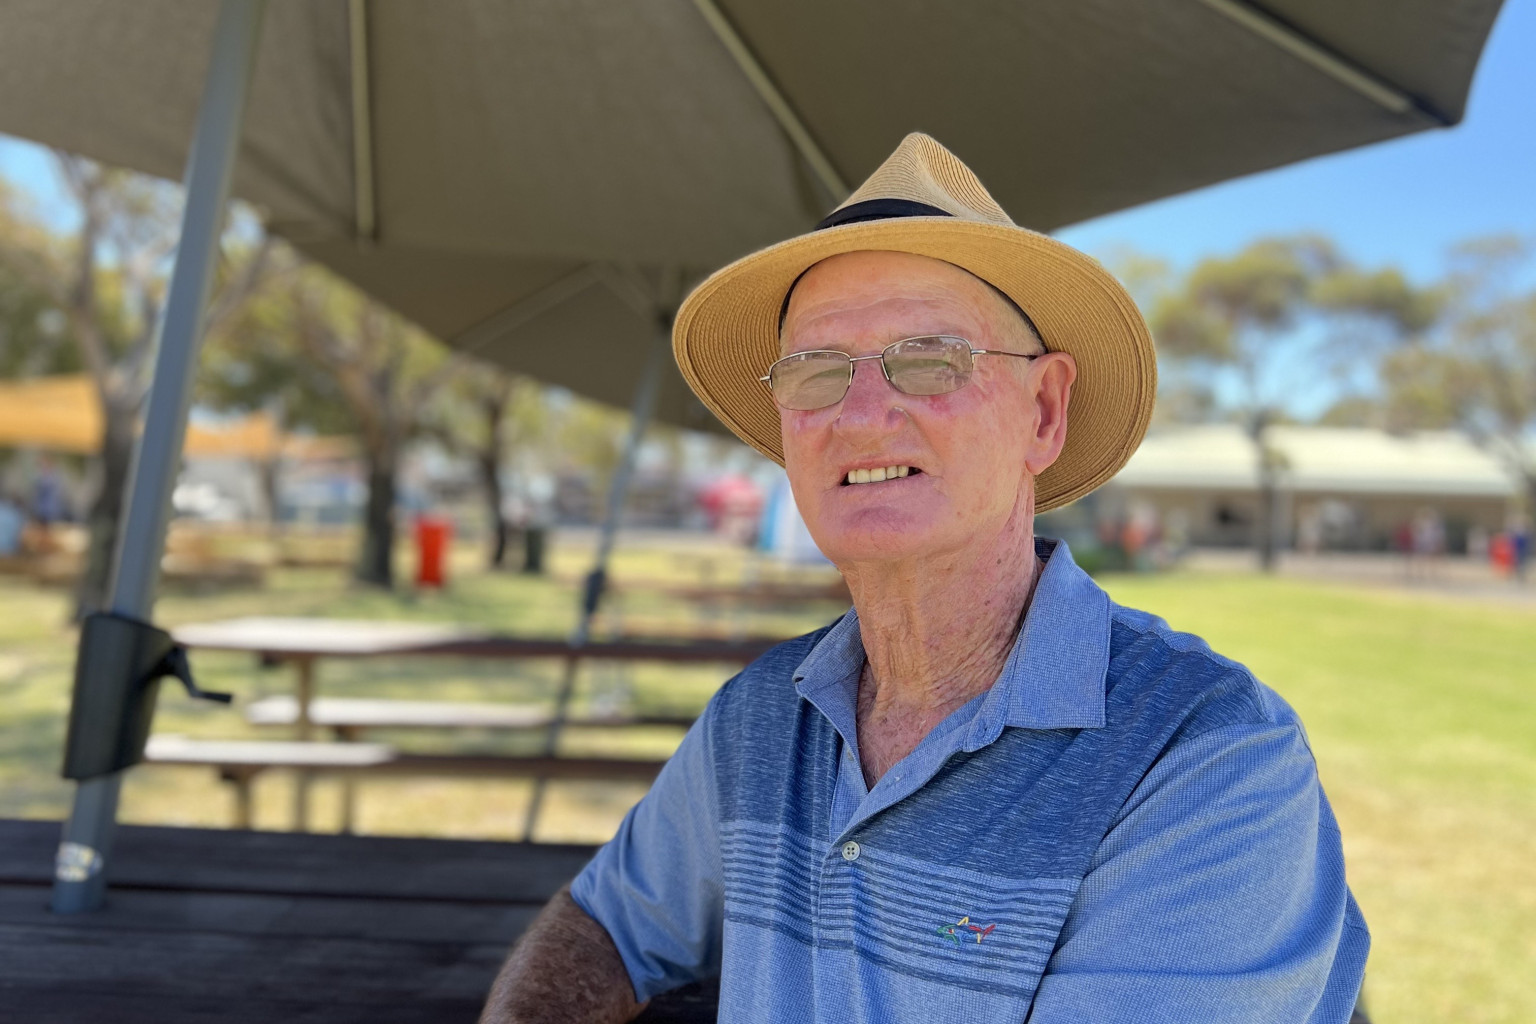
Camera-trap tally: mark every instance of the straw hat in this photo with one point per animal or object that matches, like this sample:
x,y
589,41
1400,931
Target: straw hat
x,y
923,200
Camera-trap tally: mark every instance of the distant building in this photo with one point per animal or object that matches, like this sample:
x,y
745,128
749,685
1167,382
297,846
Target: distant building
x,y
1339,488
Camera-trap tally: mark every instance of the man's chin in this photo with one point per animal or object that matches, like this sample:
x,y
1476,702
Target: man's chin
x,y
884,539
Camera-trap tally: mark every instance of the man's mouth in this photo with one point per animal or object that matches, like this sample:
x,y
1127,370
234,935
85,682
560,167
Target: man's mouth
x,y
879,475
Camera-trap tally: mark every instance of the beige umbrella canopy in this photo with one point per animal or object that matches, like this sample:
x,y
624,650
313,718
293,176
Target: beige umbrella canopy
x,y
454,158
535,180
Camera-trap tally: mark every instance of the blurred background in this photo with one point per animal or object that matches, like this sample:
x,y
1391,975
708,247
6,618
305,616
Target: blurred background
x,y
1337,490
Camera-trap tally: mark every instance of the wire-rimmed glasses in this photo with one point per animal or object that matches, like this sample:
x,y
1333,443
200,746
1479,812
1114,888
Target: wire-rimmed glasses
x,y
929,365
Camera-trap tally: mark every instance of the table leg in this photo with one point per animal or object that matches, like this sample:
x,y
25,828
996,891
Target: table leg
x,y
303,728
304,693
241,782
348,784
348,800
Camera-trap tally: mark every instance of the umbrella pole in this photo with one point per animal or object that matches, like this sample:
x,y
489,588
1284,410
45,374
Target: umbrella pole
x,y
80,869
597,578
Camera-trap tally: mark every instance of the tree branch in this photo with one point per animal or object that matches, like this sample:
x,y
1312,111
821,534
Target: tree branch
x,y
79,297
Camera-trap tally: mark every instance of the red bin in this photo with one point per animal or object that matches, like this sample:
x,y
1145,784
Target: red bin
x,y
433,534
1501,552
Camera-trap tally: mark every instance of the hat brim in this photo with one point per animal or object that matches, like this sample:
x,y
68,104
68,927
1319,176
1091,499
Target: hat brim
x,y
727,333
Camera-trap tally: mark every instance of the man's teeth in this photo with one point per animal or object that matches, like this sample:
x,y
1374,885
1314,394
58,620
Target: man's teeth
x,y
875,476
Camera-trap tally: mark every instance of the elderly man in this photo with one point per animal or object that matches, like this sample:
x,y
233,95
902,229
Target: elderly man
x,y
986,793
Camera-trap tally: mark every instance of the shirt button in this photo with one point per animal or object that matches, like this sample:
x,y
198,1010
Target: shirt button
x,y
850,851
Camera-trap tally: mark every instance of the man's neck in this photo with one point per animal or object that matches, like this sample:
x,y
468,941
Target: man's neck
x,y
936,634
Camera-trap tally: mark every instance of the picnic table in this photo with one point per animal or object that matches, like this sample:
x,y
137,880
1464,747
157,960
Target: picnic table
x,y
304,642
247,927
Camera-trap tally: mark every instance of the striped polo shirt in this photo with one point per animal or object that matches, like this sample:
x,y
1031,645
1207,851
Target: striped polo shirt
x,y
1124,827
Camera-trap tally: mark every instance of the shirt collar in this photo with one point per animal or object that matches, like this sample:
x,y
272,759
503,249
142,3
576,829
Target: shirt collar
x,y
1054,677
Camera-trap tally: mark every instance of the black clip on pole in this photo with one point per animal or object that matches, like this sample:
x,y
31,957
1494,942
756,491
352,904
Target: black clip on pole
x,y
117,678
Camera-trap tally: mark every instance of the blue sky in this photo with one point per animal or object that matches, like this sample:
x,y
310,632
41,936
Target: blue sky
x,y
1404,202
30,168
1401,202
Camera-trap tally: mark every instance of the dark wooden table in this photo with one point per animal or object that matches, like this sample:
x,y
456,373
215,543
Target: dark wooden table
x,y
235,927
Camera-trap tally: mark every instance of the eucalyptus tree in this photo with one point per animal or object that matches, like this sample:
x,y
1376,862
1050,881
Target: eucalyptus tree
x,y
1243,313
89,297
326,357
1281,315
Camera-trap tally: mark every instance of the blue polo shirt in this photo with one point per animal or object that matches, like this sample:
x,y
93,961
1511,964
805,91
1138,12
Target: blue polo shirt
x,y
1124,827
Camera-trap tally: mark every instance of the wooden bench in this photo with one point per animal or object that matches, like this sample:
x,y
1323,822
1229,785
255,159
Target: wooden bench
x,y
349,717
238,762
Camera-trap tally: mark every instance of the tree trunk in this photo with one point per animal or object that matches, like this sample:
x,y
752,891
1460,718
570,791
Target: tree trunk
x,y
494,405
376,565
490,479
1268,498
270,472
103,522
270,469
1269,492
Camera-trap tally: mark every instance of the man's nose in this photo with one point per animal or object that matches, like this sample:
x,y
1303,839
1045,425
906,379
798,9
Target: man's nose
x,y
871,399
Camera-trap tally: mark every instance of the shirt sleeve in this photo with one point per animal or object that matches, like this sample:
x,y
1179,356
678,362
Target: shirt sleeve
x,y
657,886
1219,895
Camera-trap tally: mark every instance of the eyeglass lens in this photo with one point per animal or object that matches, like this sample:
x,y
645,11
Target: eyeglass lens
x,y
915,366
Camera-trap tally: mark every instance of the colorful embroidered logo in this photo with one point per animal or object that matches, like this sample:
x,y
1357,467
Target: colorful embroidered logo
x,y
959,929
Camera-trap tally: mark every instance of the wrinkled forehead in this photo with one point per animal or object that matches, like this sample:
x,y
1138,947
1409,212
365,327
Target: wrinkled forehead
x,y
864,272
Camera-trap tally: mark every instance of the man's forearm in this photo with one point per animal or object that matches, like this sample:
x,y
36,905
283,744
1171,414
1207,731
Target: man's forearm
x,y
565,968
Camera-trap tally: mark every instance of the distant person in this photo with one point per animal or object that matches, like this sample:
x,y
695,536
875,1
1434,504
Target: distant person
x,y
48,506
1427,540
12,523
1309,531
1177,534
987,792
1402,543
1520,545
1477,543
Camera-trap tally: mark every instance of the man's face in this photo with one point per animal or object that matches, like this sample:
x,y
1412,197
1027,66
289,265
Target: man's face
x,y
973,453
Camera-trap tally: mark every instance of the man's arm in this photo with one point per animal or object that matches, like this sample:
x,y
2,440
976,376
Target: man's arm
x,y
565,968
645,916
1219,895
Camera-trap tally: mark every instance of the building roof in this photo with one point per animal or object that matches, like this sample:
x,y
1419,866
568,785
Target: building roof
x,y
1335,460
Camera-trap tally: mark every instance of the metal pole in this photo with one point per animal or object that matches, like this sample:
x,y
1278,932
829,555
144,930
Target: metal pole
x,y
1340,68
597,578
774,99
80,870
618,488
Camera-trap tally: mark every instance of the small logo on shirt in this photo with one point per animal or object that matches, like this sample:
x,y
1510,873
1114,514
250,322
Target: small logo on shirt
x,y
963,929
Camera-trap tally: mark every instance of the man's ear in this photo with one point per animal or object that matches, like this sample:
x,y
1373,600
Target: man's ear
x,y
1051,378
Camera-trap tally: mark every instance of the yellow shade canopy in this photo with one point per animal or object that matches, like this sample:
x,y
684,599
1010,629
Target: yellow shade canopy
x,y
63,414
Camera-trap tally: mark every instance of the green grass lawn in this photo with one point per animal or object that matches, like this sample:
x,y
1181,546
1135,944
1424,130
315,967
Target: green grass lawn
x,y
1422,713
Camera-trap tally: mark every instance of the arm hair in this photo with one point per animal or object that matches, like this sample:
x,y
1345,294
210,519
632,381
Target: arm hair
x,y
564,969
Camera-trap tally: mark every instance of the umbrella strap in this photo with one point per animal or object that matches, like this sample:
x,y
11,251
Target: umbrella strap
x,y
118,669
